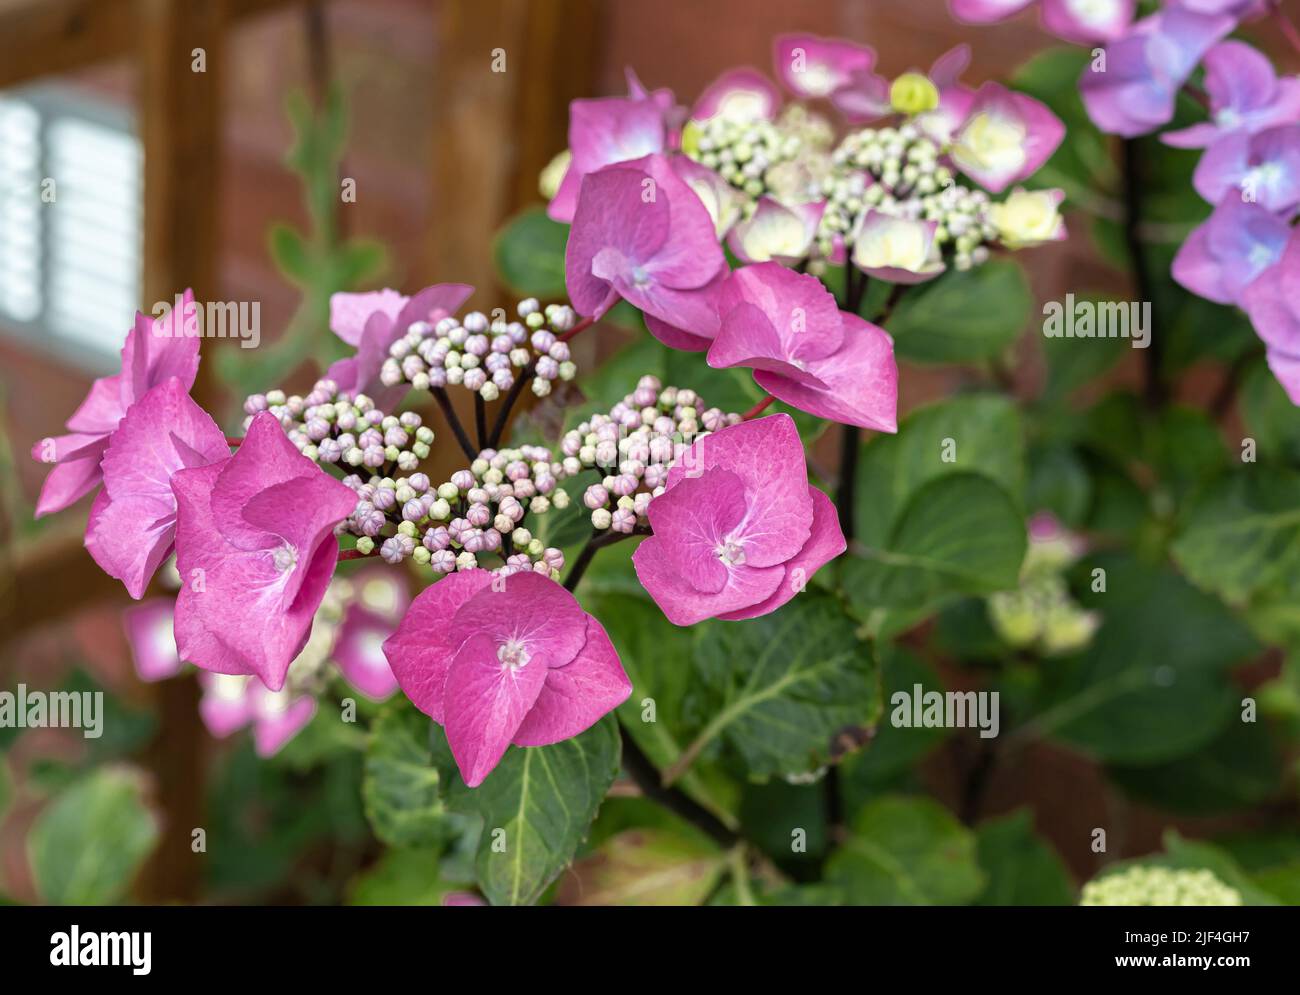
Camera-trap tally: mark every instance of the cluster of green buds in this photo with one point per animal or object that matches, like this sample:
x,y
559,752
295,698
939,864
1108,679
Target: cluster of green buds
x,y
785,159
1141,885
332,427
634,445
477,519
900,172
1041,614
485,354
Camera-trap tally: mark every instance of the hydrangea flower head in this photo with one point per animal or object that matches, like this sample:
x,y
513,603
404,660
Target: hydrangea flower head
x,y
148,628
132,524
604,131
372,322
155,350
738,531
230,702
740,95
642,234
804,350
1163,886
1245,96
810,66
900,250
1263,168
255,549
1273,303
1080,21
1028,218
1222,256
500,660
1005,138
1144,70
371,616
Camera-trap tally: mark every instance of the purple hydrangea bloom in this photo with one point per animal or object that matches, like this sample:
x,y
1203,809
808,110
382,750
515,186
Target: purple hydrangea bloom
x,y
986,11
787,327
738,531
255,549
1221,257
504,660
1245,95
1081,21
132,524
1264,167
642,234
1273,303
373,322
1134,90
155,349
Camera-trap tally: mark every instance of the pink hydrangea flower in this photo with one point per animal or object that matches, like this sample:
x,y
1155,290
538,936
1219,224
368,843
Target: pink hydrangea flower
x,y
740,95
504,660
738,531
155,349
372,322
1145,69
379,602
804,350
642,234
1005,138
1245,94
810,66
1273,303
132,524
230,702
148,628
900,250
608,130
255,549
777,231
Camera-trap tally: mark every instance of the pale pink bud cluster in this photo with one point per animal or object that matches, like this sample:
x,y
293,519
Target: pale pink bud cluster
x,y
633,446
485,355
332,427
474,520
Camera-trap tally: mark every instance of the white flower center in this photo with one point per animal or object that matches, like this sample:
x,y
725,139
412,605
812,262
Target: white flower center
x,y
285,558
730,552
512,654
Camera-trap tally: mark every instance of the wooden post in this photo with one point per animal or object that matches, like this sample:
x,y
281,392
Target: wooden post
x,y
180,94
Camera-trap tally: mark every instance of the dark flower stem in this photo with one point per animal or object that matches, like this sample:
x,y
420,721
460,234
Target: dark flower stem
x,y
639,767
444,402
855,288
480,420
233,442
581,326
507,405
597,542
1154,389
356,554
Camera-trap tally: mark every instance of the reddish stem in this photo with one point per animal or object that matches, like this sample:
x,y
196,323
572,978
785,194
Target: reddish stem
x,y
356,554
758,408
1289,30
233,443
583,325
